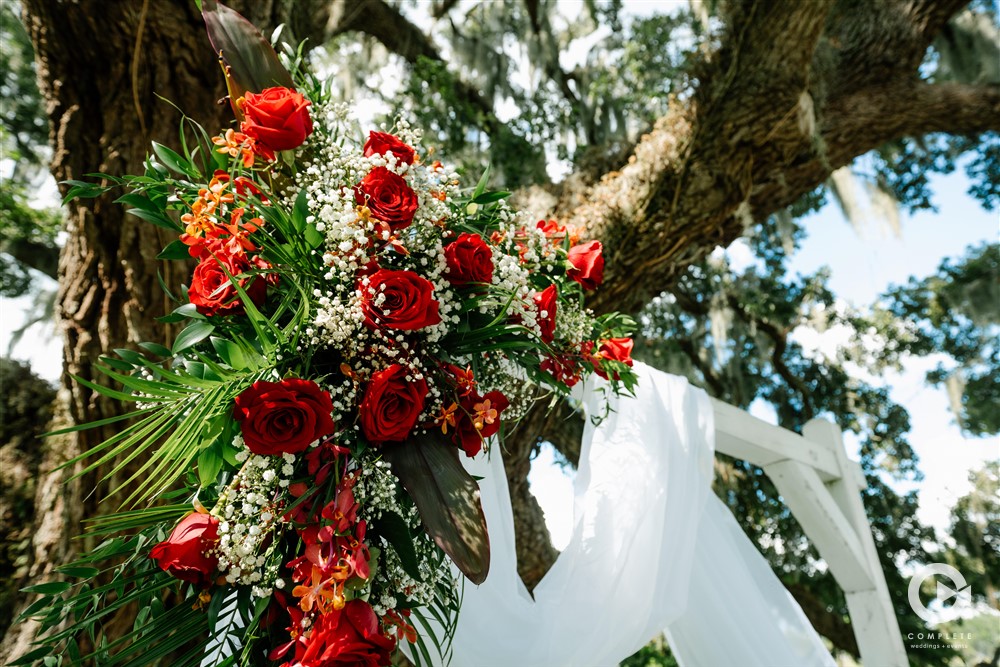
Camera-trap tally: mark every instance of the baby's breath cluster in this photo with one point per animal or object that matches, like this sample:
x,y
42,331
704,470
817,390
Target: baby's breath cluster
x,y
247,512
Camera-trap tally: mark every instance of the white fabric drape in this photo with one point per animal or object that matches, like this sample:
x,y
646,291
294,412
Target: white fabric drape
x,y
651,550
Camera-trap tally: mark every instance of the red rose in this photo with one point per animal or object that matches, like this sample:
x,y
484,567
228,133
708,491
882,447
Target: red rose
x,y
588,264
388,197
283,417
347,637
277,117
614,349
545,302
211,291
480,419
186,553
470,260
380,143
392,404
399,300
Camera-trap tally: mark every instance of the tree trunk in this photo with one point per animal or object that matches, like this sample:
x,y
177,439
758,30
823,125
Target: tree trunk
x,y
103,68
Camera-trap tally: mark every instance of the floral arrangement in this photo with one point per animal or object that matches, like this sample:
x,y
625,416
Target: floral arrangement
x,y
356,322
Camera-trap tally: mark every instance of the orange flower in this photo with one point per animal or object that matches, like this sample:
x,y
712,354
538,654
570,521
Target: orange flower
x,y
200,221
216,193
235,144
486,413
447,417
325,594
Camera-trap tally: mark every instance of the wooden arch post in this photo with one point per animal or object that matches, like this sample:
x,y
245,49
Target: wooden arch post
x,y
821,487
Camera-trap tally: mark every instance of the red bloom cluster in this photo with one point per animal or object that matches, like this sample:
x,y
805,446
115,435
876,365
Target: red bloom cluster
x,y
348,637
223,249
339,631
300,506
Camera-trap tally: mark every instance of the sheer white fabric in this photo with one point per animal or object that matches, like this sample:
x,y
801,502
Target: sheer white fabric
x,y
651,549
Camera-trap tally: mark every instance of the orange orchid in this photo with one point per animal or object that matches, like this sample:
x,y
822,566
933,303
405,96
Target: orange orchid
x,y
235,144
447,417
486,413
200,221
324,593
216,192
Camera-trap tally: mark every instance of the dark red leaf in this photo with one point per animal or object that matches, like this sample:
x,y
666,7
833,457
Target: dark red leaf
x,y
253,63
447,498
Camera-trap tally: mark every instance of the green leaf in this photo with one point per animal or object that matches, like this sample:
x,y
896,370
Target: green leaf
x,y
175,250
312,237
136,200
157,349
117,363
175,162
181,313
192,334
78,572
82,190
131,356
228,625
393,528
49,588
447,498
300,212
31,657
209,465
157,219
230,352
490,197
481,186
253,63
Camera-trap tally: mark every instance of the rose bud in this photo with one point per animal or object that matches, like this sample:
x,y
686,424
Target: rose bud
x,y
186,553
587,264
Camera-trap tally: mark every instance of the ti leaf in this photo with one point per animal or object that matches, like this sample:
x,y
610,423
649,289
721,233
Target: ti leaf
x,y
253,64
447,498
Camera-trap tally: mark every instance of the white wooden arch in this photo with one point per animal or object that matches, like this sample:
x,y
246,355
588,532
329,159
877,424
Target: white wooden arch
x,y
821,487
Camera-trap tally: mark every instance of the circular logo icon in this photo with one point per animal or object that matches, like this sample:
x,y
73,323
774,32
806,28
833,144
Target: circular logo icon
x,y
958,590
